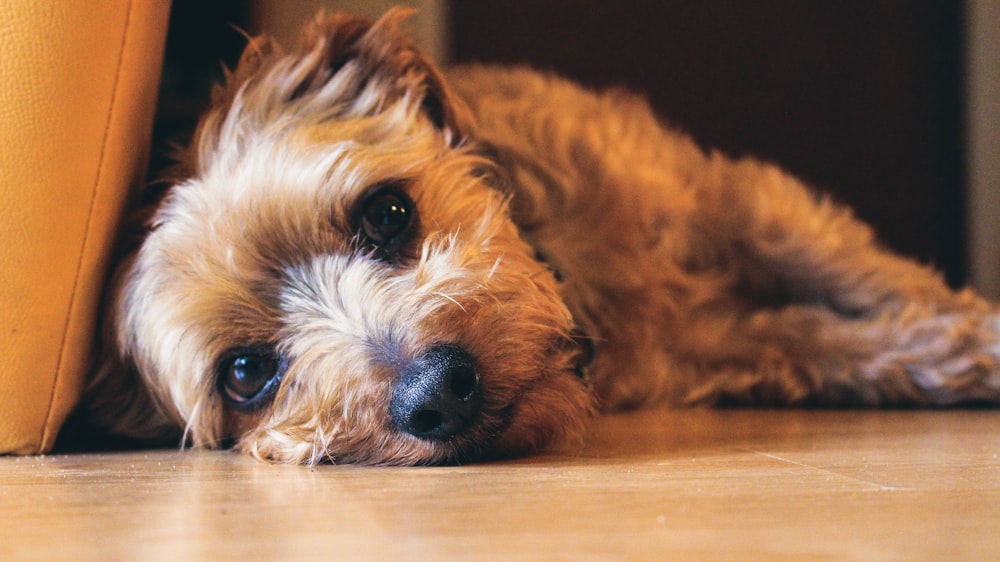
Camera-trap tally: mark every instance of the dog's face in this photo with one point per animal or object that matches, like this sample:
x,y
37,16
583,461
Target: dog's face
x,y
335,281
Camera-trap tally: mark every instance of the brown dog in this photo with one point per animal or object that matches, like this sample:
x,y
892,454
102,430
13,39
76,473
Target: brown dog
x,y
368,262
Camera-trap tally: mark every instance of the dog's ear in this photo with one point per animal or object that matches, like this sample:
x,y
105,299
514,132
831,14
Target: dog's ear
x,y
116,401
343,66
383,49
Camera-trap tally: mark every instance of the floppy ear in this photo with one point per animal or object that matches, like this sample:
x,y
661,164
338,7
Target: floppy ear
x,y
339,58
115,402
384,49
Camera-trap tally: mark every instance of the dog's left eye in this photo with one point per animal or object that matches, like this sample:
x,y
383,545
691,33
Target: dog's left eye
x,y
386,215
248,378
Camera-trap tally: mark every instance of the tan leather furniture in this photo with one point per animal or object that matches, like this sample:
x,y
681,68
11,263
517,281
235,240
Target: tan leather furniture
x,y
78,87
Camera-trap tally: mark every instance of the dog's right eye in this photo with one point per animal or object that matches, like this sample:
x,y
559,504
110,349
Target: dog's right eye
x,y
248,378
385,216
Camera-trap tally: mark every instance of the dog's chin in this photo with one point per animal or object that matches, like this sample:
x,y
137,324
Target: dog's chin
x,y
548,416
554,413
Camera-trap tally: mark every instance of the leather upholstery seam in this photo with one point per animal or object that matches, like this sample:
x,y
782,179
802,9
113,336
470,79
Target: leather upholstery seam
x,y
101,168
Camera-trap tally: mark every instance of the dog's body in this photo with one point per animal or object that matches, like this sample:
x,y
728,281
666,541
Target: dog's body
x,y
368,262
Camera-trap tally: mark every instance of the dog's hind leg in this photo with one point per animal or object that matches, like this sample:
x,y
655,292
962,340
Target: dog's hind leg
x,y
826,316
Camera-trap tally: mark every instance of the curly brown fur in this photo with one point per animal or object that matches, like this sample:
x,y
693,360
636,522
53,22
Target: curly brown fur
x,y
413,268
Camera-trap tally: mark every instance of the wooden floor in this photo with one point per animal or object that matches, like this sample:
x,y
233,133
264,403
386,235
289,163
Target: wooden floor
x,y
688,485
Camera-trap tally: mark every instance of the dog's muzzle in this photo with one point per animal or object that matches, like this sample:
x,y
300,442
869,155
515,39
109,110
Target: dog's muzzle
x,y
438,396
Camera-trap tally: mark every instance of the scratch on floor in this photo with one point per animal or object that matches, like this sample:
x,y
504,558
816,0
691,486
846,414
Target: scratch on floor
x,y
881,487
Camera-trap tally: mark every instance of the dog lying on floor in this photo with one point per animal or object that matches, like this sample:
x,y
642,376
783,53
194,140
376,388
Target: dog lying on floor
x,y
367,261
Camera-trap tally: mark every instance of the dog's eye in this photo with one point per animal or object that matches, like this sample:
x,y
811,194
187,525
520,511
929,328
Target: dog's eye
x,y
386,215
248,378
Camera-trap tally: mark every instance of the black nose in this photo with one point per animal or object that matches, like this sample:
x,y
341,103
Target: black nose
x,y
438,396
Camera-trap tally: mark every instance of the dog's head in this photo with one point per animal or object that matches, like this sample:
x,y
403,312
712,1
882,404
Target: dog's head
x,y
336,281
